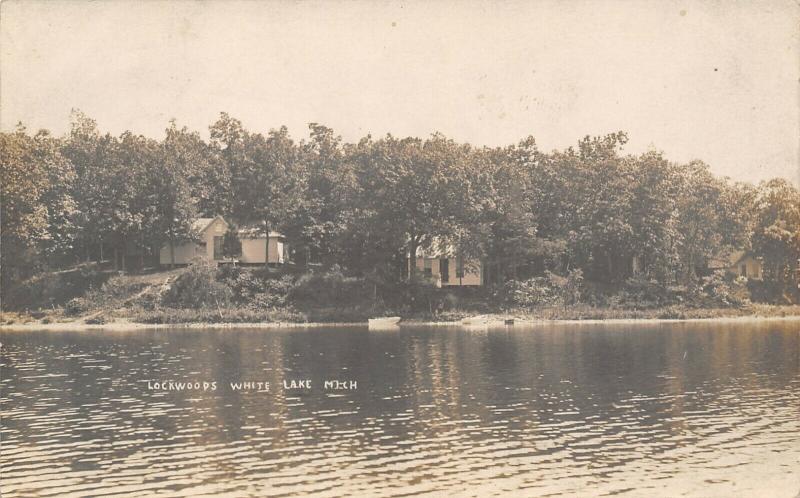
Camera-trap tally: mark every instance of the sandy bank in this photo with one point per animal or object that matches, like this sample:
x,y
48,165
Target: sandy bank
x,y
483,322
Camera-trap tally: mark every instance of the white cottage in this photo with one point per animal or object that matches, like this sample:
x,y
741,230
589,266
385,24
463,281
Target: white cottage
x,y
445,268
254,247
739,263
211,232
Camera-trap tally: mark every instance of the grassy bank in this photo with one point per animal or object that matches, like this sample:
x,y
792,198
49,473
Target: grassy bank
x,y
584,312
204,294
237,315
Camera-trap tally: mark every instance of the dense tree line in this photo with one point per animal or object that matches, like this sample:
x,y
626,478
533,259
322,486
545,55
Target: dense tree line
x,y
364,206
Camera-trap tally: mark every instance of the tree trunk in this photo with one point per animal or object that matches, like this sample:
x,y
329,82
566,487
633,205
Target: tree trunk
x,y
116,259
266,246
171,250
412,257
102,253
124,254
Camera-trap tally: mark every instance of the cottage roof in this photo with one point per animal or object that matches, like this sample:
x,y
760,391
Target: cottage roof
x,y
726,260
201,224
255,232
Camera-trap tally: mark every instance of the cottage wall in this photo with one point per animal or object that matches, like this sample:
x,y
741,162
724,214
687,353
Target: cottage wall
x,y
253,250
204,248
184,253
753,268
472,271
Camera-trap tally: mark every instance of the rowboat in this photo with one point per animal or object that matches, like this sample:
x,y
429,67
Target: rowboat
x,y
476,320
486,320
384,322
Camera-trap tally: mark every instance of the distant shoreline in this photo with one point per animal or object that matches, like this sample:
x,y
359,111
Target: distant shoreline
x,y
489,322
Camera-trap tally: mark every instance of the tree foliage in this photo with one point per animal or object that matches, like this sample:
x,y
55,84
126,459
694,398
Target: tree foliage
x,y
364,207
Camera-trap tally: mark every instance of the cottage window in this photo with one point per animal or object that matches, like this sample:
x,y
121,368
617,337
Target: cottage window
x,y
744,269
428,267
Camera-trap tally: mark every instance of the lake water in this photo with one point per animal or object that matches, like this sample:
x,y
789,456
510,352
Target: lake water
x,y
567,410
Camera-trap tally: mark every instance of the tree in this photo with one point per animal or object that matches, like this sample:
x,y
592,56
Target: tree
x,y
412,193
23,182
82,148
581,200
509,233
776,236
231,245
712,216
327,206
181,162
272,187
652,217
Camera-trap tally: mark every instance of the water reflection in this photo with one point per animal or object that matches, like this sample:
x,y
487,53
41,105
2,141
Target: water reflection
x,y
657,410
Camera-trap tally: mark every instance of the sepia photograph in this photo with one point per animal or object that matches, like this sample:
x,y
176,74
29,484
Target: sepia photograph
x,y
368,248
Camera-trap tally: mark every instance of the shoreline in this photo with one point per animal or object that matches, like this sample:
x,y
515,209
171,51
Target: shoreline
x,y
491,322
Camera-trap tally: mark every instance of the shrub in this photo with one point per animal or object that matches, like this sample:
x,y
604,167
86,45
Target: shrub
x,y
76,306
672,313
719,290
640,293
256,288
275,294
421,295
329,288
764,291
541,291
198,287
221,315
111,294
535,291
53,288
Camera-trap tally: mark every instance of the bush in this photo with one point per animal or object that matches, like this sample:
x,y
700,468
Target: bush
x,y
198,287
672,313
329,288
257,288
76,306
542,291
719,290
53,288
220,315
763,291
535,291
111,294
640,293
421,295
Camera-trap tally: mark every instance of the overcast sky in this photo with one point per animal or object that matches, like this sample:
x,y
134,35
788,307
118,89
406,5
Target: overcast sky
x,y
718,81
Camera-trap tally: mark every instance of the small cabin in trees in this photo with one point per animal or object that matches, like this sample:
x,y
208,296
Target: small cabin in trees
x,y
210,232
209,245
254,247
739,263
444,266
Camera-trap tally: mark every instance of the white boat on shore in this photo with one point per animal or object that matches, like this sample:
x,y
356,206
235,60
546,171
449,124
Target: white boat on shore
x,y
485,320
476,320
384,322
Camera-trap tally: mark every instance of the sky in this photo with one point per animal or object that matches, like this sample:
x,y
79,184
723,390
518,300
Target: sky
x,y
710,80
